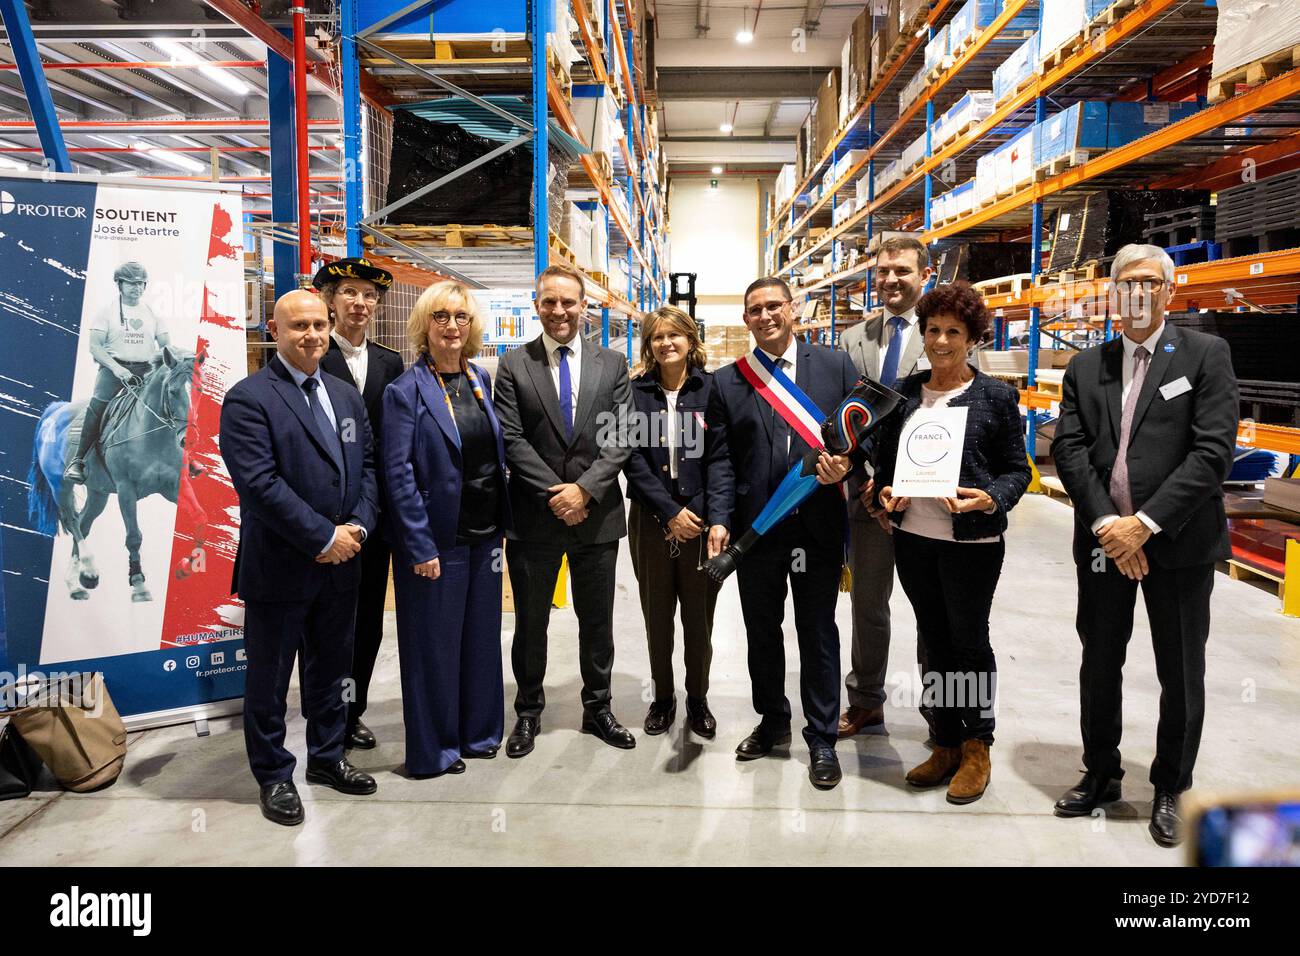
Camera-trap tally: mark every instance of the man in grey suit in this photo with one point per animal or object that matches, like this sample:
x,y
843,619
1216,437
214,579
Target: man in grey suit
x,y
563,404
887,348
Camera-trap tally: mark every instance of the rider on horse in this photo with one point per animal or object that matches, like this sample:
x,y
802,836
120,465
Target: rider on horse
x,y
122,340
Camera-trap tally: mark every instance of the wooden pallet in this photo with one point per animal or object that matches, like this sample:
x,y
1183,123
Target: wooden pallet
x,y
1075,157
939,69
1229,84
1240,571
1090,271
1006,285
1063,52
1053,487
457,237
562,75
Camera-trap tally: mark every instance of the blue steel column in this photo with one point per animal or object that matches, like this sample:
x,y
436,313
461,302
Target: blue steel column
x,y
835,258
871,189
352,106
541,138
32,73
1036,255
284,175
929,177
604,326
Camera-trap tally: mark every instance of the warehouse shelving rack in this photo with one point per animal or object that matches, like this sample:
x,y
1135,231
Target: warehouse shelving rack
x,y
636,236
1206,150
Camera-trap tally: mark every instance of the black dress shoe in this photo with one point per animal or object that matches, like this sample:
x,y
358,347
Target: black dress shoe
x,y
280,804
359,738
520,741
1090,792
487,753
1166,826
342,776
760,743
603,725
660,717
700,718
824,768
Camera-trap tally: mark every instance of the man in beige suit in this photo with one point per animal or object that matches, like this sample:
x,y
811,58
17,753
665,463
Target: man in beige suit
x,y
887,348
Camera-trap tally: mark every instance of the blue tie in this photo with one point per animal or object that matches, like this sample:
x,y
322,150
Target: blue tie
x,y
889,371
566,392
326,430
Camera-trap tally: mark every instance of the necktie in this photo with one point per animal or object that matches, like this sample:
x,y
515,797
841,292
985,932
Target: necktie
x,y
324,428
1120,493
889,370
566,392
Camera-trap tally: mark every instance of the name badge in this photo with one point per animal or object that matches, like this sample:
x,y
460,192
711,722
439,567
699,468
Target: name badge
x,y
1175,388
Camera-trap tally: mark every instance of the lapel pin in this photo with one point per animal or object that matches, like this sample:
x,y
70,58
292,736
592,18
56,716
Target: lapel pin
x,y
1169,346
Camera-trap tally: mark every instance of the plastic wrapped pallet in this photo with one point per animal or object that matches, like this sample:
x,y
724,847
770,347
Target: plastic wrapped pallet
x,y
599,237
575,232
844,209
785,183
936,51
1239,39
960,260
499,191
962,199
969,21
1094,227
847,161
910,14
1082,126
596,115
886,177
1015,69
1015,162
912,91
912,156
862,189
986,180
974,106
1062,21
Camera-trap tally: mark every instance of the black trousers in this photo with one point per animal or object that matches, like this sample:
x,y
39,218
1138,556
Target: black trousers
x,y
275,632
950,585
369,633
1178,609
664,578
534,567
786,555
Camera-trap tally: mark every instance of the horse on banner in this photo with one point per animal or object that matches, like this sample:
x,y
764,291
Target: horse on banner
x,y
138,454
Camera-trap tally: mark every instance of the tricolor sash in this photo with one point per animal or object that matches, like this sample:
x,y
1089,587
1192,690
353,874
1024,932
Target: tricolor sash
x,y
786,398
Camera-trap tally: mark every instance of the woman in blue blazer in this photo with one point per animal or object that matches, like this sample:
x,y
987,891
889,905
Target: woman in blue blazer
x,y
949,551
445,474
676,479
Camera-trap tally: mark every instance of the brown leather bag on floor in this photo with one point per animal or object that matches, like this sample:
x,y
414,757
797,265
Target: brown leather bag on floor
x,y
75,729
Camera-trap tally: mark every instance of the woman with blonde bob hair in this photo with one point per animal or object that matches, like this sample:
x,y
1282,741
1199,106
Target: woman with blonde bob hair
x,y
445,473
674,479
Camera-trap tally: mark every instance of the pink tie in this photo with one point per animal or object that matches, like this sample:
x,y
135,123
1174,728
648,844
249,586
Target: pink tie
x,y
1120,493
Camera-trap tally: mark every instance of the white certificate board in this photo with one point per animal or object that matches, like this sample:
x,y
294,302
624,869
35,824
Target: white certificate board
x,y
929,453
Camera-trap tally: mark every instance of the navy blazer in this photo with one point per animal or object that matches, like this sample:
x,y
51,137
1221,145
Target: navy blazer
x,y
422,467
993,457
742,421
701,472
288,484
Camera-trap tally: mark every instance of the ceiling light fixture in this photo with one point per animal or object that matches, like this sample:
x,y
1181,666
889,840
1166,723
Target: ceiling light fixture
x,y
167,156
181,54
726,127
717,170
745,34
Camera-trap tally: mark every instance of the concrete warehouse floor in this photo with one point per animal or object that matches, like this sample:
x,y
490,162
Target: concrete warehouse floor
x,y
677,800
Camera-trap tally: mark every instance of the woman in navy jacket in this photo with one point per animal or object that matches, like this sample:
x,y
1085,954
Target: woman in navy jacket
x,y
445,474
673,478
949,551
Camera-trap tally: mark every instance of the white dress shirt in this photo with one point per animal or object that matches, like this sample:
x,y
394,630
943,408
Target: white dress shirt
x,y
575,362
1130,347
355,357
786,362
674,431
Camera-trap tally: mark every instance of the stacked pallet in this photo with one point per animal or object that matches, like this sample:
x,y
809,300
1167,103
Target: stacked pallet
x,y
1262,216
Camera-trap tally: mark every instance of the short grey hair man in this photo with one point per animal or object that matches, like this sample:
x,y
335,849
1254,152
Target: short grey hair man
x,y
1136,252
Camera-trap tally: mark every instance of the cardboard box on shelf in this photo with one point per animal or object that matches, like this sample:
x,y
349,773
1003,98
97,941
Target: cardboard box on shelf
x,y
828,94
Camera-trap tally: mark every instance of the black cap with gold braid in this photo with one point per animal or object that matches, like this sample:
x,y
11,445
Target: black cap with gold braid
x,y
358,268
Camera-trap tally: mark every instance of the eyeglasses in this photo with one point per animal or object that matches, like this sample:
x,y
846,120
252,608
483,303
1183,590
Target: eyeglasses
x,y
754,311
370,297
1134,286
442,318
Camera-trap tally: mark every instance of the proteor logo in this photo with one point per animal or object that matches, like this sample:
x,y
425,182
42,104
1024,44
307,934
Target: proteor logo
x,y
10,206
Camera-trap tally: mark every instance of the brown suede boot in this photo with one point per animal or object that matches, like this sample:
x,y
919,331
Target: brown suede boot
x,y
972,778
938,767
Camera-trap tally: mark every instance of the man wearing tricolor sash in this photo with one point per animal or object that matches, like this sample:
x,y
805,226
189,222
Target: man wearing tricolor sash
x,y
769,406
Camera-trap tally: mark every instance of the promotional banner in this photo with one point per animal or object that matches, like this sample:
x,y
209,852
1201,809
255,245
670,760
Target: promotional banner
x,y
122,306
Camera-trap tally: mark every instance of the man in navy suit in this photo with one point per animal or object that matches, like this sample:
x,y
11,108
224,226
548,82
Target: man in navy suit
x,y
298,447
806,549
